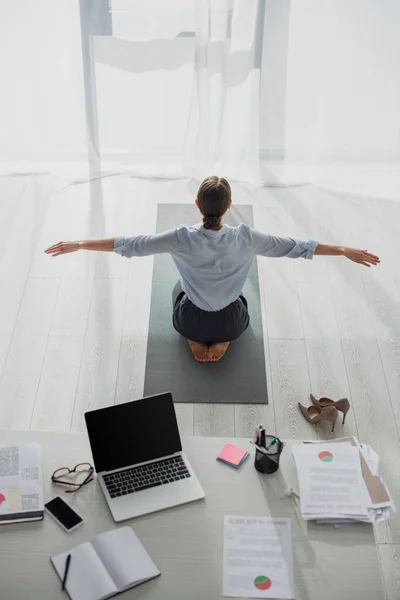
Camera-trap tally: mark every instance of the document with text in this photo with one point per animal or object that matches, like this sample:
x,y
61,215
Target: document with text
x,y
21,489
330,481
258,557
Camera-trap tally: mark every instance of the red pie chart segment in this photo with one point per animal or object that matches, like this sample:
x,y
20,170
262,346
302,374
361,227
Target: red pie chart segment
x,y
262,582
325,456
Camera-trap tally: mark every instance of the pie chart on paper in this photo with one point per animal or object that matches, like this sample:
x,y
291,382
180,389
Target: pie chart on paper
x,y
262,583
325,456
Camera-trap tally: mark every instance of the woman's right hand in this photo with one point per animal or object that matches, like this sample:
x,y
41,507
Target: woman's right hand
x,y
63,248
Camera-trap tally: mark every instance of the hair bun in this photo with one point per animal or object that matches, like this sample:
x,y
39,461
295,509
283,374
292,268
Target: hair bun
x,y
211,221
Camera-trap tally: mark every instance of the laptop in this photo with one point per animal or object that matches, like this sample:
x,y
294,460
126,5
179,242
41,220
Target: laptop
x,y
138,457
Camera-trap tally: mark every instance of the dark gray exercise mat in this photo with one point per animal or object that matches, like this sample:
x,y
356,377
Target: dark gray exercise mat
x,y
239,377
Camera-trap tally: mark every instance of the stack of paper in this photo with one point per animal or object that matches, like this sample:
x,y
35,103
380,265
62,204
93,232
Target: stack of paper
x,y
339,483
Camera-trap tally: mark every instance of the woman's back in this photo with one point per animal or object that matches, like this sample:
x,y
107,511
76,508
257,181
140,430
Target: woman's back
x,y
213,264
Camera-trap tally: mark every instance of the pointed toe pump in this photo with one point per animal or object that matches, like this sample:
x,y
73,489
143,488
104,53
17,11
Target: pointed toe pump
x,y
315,414
343,404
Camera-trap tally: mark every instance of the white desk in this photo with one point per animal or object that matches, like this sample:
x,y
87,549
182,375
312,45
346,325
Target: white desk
x,y
186,542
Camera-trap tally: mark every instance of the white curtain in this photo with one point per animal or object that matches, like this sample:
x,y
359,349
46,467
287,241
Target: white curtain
x,y
268,91
223,129
42,104
340,87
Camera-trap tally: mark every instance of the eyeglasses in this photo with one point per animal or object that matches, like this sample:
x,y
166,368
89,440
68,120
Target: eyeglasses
x,y
58,475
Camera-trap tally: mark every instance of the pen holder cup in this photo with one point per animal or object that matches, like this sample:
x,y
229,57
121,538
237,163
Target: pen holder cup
x,y
268,462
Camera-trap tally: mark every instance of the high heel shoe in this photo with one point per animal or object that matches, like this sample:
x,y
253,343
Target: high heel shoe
x,y
343,404
314,414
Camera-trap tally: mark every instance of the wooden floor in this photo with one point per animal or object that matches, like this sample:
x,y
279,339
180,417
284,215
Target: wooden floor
x,y
73,329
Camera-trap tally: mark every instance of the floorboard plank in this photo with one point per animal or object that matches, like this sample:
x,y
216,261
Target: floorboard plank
x,y
99,367
16,256
385,311
300,222
185,418
132,364
22,370
214,420
58,382
291,384
387,220
390,561
354,318
12,189
5,341
72,306
326,364
283,317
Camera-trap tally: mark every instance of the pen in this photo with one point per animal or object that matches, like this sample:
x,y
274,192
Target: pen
x,y
67,565
262,437
256,435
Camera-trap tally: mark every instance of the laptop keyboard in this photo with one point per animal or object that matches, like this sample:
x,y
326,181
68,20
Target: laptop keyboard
x,y
145,477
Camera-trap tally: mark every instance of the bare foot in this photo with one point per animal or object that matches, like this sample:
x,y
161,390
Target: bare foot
x,y
199,351
217,351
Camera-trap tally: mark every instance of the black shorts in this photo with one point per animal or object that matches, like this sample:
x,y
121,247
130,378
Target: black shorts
x,y
210,327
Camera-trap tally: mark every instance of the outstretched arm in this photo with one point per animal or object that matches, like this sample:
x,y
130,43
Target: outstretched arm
x,y
139,245
273,246
363,257
67,247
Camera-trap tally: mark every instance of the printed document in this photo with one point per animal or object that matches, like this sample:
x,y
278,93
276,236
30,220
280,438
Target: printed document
x,y
330,480
21,489
258,560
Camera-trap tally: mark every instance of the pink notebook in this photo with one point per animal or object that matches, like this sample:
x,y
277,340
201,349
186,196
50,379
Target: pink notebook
x,y
232,455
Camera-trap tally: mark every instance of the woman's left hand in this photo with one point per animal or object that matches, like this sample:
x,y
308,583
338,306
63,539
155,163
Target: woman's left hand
x,y
363,257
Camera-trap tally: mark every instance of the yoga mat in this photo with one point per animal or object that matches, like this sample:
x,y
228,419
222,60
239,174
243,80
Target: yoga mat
x,y
240,376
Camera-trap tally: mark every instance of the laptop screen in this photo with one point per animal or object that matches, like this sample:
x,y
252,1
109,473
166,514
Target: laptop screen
x,y
134,432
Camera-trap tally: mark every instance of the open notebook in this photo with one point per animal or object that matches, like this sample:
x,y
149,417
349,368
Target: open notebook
x,y
113,562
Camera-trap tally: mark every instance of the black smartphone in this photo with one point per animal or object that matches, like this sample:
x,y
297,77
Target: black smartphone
x,y
67,518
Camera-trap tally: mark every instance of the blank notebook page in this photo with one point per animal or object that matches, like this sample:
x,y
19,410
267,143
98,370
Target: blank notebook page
x,y
124,557
87,578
